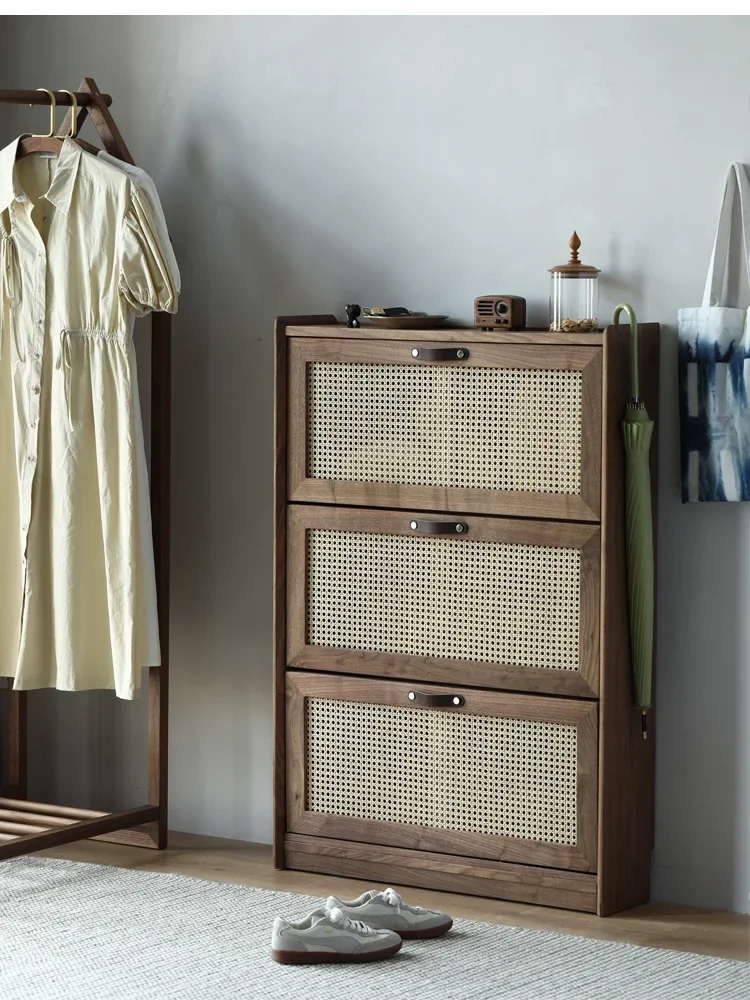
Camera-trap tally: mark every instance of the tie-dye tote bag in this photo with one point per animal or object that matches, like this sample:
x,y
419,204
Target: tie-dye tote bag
x,y
714,370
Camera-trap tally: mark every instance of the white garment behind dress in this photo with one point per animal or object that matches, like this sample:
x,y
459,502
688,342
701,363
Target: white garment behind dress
x,y
147,188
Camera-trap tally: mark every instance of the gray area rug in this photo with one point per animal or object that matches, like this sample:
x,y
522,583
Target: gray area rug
x,y
71,931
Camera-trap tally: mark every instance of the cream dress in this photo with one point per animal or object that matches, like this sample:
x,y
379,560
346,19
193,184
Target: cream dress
x,y
82,253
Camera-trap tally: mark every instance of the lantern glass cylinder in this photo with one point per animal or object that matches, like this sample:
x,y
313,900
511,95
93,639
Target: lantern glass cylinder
x,y
574,302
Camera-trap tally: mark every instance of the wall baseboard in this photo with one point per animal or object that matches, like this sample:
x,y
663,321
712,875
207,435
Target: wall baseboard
x,y
709,889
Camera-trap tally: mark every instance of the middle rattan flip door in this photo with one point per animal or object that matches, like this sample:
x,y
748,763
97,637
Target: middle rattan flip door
x,y
481,774
480,601
476,427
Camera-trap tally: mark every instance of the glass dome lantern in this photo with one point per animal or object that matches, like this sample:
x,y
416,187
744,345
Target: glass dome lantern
x,y
574,294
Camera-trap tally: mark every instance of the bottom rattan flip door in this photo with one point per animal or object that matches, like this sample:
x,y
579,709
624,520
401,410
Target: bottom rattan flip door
x,y
461,771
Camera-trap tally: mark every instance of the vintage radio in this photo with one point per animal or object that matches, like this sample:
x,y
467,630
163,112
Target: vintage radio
x,y
508,312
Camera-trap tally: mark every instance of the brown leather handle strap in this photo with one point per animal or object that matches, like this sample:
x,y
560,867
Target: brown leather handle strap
x,y
440,353
439,527
436,700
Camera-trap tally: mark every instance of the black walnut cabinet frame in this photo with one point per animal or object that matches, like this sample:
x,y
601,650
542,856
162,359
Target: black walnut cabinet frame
x,y
453,696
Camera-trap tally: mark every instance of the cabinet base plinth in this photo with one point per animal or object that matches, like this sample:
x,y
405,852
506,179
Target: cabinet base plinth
x,y
449,873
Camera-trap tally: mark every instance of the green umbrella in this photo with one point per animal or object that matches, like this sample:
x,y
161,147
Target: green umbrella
x,y
636,434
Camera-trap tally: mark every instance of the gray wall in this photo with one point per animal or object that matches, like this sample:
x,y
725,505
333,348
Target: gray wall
x,y
308,162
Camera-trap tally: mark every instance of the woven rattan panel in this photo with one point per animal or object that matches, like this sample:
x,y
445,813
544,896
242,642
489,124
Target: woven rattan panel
x,y
427,425
490,602
441,769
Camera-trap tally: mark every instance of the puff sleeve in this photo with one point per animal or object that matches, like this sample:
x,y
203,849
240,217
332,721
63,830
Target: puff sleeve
x,y
149,278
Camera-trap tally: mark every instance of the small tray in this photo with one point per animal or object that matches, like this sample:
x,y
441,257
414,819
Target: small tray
x,y
403,322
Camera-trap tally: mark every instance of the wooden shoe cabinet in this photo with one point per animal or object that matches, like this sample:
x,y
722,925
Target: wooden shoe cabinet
x,y
452,697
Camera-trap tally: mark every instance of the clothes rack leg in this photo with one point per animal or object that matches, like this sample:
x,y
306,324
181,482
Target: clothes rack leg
x,y
16,711
161,460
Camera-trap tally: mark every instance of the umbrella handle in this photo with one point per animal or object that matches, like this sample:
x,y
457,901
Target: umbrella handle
x,y
634,386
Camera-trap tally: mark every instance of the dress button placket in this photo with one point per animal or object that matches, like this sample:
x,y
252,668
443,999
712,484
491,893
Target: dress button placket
x,y
36,351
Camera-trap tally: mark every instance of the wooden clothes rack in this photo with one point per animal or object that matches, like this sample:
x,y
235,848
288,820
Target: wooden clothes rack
x,y
33,826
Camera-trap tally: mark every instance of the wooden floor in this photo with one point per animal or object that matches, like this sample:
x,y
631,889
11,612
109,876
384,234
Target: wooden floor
x,y
658,925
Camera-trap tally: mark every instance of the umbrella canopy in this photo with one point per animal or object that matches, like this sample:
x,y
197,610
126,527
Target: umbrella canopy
x,y
637,429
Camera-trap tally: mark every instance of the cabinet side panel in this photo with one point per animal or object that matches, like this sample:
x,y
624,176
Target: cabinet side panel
x,y
626,760
279,571
650,368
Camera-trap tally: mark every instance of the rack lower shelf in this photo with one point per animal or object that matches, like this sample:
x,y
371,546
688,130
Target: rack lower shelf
x,y
26,827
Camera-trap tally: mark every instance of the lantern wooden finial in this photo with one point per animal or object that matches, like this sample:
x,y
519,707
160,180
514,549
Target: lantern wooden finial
x,y
574,243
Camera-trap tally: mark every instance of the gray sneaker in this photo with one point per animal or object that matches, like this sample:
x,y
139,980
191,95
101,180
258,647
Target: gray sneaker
x,y
388,911
327,935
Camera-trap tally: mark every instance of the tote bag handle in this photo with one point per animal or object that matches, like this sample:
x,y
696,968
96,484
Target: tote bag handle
x,y
737,181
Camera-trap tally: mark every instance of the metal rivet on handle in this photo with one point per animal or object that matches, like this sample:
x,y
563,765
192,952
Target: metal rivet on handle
x,y
411,696
414,525
415,353
456,700
460,353
459,528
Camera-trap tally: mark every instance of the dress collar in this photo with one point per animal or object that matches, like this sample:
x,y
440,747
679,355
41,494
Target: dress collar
x,y
61,190
60,193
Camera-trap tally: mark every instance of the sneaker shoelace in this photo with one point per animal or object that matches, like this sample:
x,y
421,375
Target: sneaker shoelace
x,y
392,898
347,924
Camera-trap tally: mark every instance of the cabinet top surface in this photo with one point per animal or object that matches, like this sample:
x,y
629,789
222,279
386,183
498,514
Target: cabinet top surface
x,y
469,334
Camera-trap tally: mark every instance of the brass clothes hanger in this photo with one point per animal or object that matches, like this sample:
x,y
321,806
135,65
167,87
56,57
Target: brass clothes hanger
x,y
49,142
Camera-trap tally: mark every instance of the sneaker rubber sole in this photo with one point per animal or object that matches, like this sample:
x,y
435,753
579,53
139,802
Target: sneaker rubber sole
x,y
332,957
425,933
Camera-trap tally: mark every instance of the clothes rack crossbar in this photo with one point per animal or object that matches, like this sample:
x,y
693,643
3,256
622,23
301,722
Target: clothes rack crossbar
x,y
62,97
27,826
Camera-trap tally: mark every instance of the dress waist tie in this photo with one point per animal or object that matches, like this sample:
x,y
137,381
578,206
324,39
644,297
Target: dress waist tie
x,y
11,289
63,364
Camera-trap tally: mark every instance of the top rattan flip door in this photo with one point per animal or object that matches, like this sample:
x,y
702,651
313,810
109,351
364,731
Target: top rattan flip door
x,y
476,427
